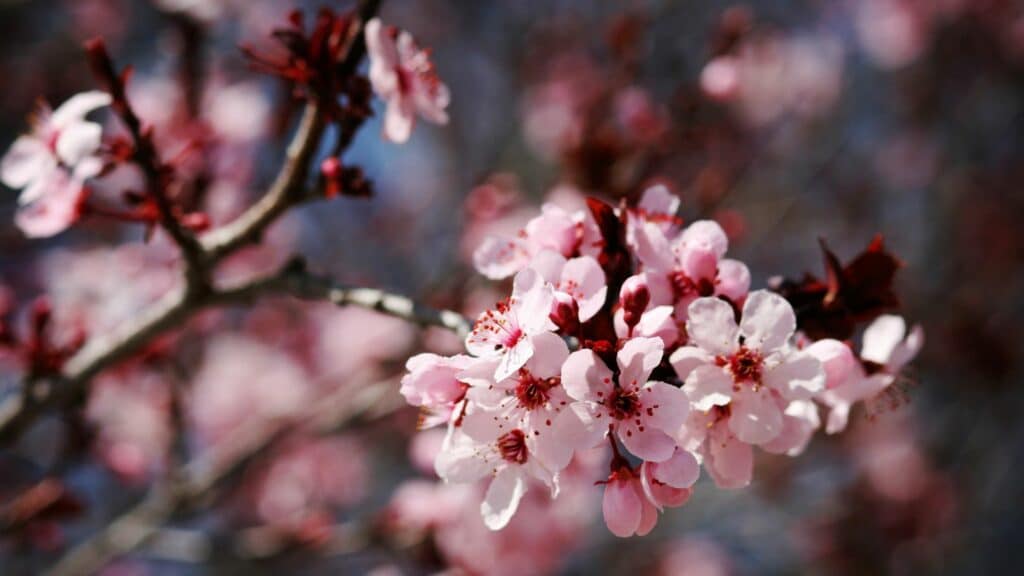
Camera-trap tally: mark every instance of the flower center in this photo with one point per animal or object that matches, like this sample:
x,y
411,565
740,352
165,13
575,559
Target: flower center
x,y
512,446
533,392
745,365
512,337
623,404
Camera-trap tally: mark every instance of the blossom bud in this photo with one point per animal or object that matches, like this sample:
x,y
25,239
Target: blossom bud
x,y
331,170
565,313
634,297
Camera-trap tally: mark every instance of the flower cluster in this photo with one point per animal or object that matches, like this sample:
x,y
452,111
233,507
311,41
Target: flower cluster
x,y
627,328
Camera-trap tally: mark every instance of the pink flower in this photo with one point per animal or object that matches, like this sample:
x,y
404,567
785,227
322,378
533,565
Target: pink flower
x,y
51,164
554,229
695,556
504,333
532,400
668,483
746,367
690,265
582,279
308,478
658,322
644,415
885,350
657,206
480,448
433,385
131,412
728,461
403,76
242,381
633,498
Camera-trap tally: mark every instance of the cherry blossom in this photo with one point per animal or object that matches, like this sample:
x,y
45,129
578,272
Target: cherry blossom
x,y
578,278
690,265
480,448
555,229
645,415
885,350
51,164
728,461
746,366
627,510
657,206
532,400
433,384
403,76
504,333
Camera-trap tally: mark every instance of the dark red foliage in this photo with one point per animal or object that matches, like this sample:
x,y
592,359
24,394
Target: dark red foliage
x,y
318,63
614,257
849,295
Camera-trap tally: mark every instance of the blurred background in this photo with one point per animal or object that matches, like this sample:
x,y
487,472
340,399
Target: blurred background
x,y
787,121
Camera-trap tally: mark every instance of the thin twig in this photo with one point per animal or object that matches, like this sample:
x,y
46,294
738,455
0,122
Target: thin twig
x,y
157,174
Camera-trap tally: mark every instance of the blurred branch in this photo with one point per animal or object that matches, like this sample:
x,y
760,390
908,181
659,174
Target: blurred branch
x,y
199,481
157,174
200,255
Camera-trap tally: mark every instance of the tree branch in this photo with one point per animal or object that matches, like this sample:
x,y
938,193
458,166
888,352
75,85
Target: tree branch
x,y
200,255
198,482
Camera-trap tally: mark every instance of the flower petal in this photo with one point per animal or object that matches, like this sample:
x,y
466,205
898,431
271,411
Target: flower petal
x,y
687,358
706,235
665,407
881,337
768,321
461,460
708,386
584,280
25,161
514,359
799,377
800,420
497,258
645,442
637,359
622,508
755,418
78,107
679,471
502,499
711,325
549,354
78,141
733,280
729,462
584,375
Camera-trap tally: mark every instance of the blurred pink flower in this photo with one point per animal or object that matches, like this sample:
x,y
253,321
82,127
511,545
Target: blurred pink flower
x,y
51,164
242,381
404,77
694,556
131,411
309,478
